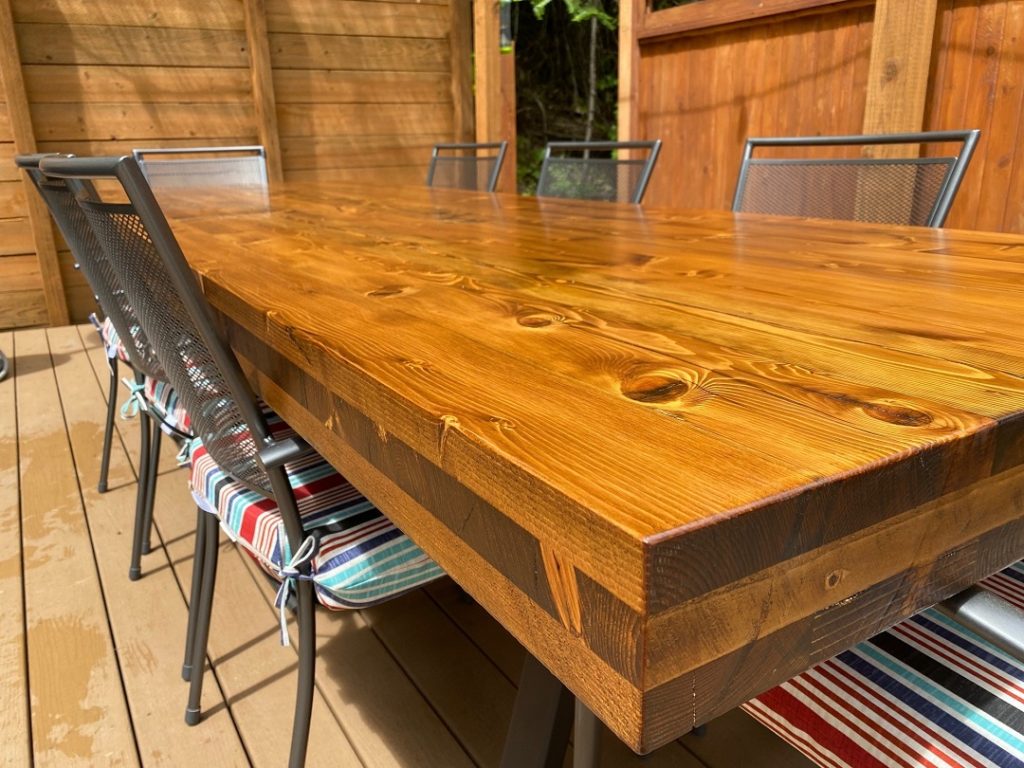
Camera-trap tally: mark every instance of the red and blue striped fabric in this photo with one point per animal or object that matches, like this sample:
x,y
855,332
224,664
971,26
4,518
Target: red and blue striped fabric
x,y
362,558
926,693
163,401
112,342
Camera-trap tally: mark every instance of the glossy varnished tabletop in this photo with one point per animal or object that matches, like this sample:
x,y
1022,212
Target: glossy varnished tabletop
x,y
680,456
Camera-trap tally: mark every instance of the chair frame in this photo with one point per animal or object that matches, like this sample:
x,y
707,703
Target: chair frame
x,y
654,148
150,429
273,455
492,181
968,140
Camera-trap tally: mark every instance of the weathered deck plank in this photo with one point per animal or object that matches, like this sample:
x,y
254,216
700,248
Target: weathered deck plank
x,y
78,709
15,747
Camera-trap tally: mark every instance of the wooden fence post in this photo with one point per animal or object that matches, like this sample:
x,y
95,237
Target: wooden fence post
x,y
901,51
25,143
263,85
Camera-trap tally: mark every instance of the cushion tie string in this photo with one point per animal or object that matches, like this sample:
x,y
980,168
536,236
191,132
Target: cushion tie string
x,y
288,574
136,399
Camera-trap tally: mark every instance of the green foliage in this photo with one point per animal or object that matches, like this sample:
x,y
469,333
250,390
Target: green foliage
x,y
579,10
552,71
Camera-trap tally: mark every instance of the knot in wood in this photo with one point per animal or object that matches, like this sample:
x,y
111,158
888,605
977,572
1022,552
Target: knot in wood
x,y
654,388
900,415
891,71
387,291
834,579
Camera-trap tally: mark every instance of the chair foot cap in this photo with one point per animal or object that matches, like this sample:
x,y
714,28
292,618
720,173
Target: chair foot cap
x,y
146,548
186,672
191,716
102,487
134,573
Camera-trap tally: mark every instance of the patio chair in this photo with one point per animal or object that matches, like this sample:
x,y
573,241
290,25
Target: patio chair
x,y
799,179
466,166
123,339
598,170
243,166
249,470
3,366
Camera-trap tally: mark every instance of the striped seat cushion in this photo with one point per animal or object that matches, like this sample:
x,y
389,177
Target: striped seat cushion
x,y
925,693
164,402
362,558
111,341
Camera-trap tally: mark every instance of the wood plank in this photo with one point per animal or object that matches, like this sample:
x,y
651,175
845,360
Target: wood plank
x,y
901,49
15,741
460,38
16,239
138,46
23,309
981,103
322,152
79,714
395,54
315,86
377,175
122,146
487,68
1001,169
216,14
20,273
89,83
139,121
349,18
8,170
631,13
263,85
341,120
700,16
13,199
24,134
148,616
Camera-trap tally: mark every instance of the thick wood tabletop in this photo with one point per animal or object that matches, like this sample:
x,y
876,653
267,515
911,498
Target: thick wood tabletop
x,y
680,455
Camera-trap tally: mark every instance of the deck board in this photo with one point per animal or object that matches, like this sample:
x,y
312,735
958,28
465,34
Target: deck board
x,y
425,680
14,733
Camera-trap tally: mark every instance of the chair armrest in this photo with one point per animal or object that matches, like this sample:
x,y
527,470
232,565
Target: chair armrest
x,y
276,453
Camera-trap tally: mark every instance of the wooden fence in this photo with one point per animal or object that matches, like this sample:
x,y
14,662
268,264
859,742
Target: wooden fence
x,y
706,75
337,89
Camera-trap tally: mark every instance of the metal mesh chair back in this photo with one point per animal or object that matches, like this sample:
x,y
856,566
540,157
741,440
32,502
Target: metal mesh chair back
x,y
597,170
203,371
204,167
914,190
60,197
466,166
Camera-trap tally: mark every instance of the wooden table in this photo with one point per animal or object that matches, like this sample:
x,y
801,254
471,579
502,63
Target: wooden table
x,y
681,456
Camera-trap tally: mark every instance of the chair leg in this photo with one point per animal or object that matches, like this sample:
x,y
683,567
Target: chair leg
x,y
587,738
202,621
307,671
152,471
134,568
541,718
108,430
194,593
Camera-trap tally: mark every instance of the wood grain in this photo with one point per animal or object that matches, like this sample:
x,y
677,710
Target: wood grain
x,y
666,450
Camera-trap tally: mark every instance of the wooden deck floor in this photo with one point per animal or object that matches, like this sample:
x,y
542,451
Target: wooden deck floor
x,y
90,662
